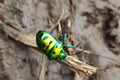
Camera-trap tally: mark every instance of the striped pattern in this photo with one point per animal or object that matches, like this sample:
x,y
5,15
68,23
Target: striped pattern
x,y
49,45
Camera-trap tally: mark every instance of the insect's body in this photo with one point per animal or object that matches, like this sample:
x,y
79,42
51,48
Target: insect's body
x,y
50,45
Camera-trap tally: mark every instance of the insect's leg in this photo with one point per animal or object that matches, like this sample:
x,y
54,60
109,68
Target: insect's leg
x,y
60,36
71,46
75,52
64,37
78,51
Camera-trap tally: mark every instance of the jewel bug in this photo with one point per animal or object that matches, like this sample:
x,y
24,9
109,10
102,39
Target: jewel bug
x,y
50,46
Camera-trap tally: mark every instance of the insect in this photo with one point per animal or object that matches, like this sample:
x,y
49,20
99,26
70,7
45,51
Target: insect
x,y
50,46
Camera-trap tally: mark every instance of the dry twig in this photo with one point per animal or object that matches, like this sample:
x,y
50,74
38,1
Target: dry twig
x,y
70,61
58,21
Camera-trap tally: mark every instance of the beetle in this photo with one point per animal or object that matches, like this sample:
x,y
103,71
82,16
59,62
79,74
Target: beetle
x,y
52,47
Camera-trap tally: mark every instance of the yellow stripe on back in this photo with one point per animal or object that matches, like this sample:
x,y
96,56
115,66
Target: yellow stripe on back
x,y
48,40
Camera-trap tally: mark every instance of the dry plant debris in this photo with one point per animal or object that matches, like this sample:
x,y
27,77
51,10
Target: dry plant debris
x,y
30,40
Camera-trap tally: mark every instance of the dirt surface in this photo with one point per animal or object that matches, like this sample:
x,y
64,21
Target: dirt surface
x,y
93,23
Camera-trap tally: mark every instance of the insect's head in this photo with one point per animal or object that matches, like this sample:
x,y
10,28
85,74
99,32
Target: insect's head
x,y
62,56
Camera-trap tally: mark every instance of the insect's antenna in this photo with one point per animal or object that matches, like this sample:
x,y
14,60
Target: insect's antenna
x,y
77,52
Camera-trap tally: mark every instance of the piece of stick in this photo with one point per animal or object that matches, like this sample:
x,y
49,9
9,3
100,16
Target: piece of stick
x,y
78,65
58,21
29,40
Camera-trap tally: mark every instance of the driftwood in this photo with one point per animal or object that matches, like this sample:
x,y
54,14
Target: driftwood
x,y
30,40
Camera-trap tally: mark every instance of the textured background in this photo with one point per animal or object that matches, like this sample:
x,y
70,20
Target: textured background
x,y
94,23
